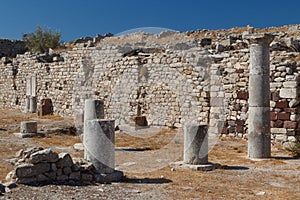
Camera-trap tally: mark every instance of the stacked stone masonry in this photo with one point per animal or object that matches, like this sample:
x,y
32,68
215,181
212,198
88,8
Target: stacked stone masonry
x,y
169,78
39,166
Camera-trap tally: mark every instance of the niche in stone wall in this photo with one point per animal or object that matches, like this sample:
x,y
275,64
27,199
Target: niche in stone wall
x,y
45,107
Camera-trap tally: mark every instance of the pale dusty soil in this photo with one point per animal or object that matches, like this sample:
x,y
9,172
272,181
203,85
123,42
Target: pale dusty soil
x,y
144,158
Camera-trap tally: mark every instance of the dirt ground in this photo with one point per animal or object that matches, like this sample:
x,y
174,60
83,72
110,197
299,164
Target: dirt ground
x,y
144,155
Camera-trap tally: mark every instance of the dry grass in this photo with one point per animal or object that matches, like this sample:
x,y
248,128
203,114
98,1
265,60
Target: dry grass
x,y
56,140
222,183
18,117
52,117
151,143
273,29
4,170
241,178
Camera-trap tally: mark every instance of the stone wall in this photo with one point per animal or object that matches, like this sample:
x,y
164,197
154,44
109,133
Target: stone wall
x,y
284,100
169,79
42,166
167,85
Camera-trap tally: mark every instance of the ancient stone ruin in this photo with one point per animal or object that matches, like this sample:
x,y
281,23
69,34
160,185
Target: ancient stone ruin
x,y
242,85
37,166
195,152
164,80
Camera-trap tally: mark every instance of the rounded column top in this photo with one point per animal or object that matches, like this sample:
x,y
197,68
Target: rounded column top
x,y
258,38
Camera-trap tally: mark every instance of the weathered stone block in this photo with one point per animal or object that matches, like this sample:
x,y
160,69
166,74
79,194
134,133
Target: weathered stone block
x,y
290,84
239,129
139,121
67,170
291,132
51,175
86,177
28,127
240,122
293,103
46,155
28,180
76,167
242,95
75,176
281,104
278,130
274,96
290,125
278,124
62,178
273,116
290,110
281,138
53,167
30,170
239,71
283,116
288,93
65,160
42,178
59,172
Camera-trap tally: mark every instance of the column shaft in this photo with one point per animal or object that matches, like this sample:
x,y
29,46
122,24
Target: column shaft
x,y
259,134
195,144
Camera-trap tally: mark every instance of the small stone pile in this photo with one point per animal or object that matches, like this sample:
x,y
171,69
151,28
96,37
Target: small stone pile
x,y
36,166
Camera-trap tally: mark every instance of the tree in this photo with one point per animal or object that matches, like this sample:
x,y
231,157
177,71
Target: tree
x,y
41,40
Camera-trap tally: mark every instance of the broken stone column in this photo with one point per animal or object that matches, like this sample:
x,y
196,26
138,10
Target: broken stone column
x,y
99,144
93,109
195,155
27,103
28,127
32,104
259,134
31,100
195,144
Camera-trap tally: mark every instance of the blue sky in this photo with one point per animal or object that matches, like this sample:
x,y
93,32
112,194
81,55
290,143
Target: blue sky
x,y
79,18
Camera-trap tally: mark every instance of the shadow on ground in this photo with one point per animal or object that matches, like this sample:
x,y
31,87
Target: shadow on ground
x,y
285,158
226,167
147,180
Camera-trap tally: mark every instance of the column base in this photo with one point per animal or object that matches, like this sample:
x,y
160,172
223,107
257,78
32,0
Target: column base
x,y
202,167
115,176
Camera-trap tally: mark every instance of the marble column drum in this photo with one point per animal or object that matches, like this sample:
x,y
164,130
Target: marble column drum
x,y
259,133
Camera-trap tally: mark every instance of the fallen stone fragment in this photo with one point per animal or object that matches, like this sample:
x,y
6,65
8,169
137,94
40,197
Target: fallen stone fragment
x,y
46,155
65,160
29,170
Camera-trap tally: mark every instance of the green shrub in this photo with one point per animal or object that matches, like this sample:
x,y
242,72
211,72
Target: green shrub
x,y
294,148
41,40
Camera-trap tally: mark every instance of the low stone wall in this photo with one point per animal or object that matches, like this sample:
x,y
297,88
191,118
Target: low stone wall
x,y
42,166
